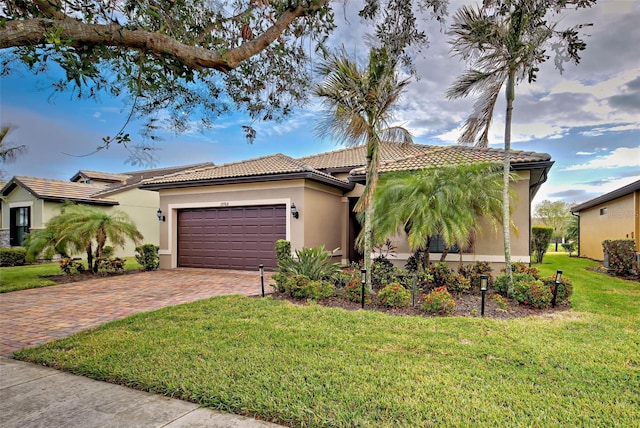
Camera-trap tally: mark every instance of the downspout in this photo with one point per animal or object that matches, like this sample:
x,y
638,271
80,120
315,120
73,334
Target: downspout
x,y
579,240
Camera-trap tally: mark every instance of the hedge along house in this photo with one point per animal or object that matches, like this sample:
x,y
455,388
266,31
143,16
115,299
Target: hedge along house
x,y
614,215
229,216
28,203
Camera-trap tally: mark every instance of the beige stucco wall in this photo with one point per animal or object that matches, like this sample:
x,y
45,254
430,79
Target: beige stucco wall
x,y
621,221
140,205
307,198
489,245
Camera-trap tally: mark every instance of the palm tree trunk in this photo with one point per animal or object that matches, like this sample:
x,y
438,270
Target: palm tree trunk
x,y
89,257
443,256
506,217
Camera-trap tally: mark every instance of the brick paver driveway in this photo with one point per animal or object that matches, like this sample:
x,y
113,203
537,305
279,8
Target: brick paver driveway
x,y
39,315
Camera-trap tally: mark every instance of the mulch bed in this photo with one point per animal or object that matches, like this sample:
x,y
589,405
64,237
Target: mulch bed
x,y
465,306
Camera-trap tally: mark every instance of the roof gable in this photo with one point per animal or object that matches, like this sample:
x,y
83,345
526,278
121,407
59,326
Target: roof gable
x,y
265,168
55,190
608,197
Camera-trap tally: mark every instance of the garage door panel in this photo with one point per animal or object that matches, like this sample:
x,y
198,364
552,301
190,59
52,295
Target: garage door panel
x,y
230,237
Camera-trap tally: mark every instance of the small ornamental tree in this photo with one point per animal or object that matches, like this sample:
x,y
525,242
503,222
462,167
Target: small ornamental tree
x,y
540,240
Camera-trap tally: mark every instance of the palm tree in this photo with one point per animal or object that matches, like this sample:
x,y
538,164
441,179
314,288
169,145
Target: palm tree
x,y
77,226
444,201
358,107
505,41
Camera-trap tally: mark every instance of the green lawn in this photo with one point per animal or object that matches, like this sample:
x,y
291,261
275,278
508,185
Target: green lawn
x,y
31,276
315,366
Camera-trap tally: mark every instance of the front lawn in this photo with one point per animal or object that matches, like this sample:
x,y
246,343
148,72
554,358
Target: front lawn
x,y
16,278
316,366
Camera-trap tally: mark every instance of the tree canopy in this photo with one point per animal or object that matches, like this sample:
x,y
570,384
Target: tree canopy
x,y
193,58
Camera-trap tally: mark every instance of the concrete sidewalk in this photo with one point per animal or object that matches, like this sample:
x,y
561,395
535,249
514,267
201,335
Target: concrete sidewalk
x,y
35,396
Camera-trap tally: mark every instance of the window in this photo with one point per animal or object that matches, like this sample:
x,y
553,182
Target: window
x,y
603,211
19,223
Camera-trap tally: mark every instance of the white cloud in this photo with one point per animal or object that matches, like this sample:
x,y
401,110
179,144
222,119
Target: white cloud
x,y
619,158
585,153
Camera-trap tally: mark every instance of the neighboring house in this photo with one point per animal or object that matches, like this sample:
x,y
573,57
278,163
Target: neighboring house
x,y
29,202
229,216
615,215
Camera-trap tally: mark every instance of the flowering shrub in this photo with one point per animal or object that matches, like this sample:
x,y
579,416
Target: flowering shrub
x,y
500,301
565,289
353,291
620,254
320,289
395,296
296,286
473,273
438,301
520,267
532,293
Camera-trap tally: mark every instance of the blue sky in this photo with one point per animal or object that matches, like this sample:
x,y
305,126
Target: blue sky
x,y
587,118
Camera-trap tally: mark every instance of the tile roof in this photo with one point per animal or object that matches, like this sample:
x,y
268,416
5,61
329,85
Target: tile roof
x,y
439,156
277,164
57,190
100,176
134,178
352,157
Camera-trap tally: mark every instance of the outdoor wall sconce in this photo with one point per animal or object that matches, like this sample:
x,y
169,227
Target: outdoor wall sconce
x,y
160,215
294,211
484,283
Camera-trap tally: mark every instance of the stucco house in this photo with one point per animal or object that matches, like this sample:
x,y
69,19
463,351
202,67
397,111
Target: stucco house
x,y
230,215
614,215
29,202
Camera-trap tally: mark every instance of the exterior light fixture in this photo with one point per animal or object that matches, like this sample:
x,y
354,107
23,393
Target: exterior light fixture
x,y
555,289
160,215
484,283
294,211
261,267
363,280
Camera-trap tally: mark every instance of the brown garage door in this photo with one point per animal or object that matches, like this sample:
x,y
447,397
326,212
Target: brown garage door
x,y
230,237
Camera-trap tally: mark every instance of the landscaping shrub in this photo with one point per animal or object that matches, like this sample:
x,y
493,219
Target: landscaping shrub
x,y
314,263
353,291
443,276
519,267
108,251
283,250
501,284
500,301
281,280
473,273
343,277
70,266
12,256
296,286
540,240
532,293
565,289
570,247
383,272
621,254
394,296
320,289
439,301
111,265
147,256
